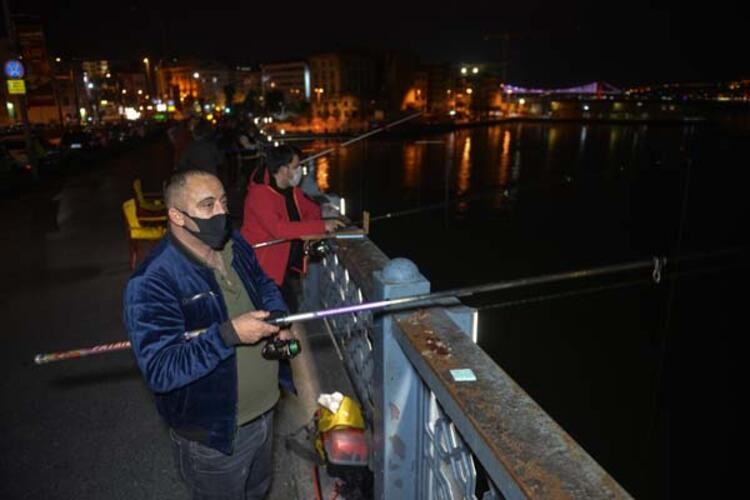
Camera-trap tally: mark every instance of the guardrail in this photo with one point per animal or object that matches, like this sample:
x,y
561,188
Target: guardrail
x,y
439,408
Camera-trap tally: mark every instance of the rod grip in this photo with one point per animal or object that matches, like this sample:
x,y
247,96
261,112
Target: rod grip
x,y
278,318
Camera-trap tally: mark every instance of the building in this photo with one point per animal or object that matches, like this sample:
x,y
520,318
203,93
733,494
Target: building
x,y
477,90
343,86
440,86
41,101
398,71
291,79
185,82
248,86
415,98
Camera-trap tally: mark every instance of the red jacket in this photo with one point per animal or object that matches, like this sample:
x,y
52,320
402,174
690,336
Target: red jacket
x,y
266,218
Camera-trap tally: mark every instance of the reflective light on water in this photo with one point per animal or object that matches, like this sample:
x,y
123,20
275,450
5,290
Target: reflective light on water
x,y
582,139
464,173
552,139
413,160
614,141
494,135
321,173
505,159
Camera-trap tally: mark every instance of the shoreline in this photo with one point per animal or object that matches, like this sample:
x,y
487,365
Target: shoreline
x,y
428,128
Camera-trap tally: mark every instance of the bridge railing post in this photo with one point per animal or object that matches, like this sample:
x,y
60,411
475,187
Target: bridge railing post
x,y
397,422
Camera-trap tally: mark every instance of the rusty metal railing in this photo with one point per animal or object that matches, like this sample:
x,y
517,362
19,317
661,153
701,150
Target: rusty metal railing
x,y
440,409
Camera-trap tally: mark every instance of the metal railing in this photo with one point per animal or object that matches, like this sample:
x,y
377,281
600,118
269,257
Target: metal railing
x,y
439,408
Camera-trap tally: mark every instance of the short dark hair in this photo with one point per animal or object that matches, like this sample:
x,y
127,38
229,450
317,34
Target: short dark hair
x,y
279,156
176,184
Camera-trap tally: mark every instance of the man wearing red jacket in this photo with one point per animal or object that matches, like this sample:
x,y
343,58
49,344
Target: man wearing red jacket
x,y
276,208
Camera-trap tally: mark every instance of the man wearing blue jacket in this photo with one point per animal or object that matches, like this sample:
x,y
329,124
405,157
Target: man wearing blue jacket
x,y
214,390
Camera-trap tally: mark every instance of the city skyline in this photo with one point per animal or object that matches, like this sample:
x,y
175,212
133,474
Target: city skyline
x,y
547,45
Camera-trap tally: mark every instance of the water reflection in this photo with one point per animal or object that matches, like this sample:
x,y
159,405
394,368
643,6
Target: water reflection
x,y
613,146
505,159
464,174
494,135
321,173
550,156
413,159
580,151
504,170
464,169
515,171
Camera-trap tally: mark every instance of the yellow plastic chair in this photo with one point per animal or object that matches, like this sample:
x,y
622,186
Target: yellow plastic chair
x,y
138,232
153,202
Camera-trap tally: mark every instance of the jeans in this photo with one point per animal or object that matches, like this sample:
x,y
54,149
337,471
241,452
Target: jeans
x,y
244,475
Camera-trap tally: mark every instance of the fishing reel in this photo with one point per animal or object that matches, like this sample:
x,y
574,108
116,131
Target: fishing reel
x,y
278,349
316,250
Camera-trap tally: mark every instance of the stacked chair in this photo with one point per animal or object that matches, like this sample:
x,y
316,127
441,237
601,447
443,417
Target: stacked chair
x,y
146,220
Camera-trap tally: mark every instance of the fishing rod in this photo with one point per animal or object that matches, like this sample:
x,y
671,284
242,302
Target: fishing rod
x,y
506,191
656,263
41,359
435,206
346,234
360,137
674,276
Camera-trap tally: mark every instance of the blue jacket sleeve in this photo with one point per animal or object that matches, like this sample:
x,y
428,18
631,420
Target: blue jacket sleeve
x,y
156,327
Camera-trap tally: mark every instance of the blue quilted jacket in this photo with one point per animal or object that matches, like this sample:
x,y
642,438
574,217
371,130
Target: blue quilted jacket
x,y
195,380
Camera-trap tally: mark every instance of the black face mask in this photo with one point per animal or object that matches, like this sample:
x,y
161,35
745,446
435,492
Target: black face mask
x,y
213,231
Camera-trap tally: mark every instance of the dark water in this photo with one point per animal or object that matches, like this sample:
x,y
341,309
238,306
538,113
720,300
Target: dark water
x,y
644,377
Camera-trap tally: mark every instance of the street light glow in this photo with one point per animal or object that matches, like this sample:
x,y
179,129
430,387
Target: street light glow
x,y
463,71
196,75
475,70
145,60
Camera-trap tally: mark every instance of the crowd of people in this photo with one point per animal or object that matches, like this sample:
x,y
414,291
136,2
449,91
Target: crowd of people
x,y
214,389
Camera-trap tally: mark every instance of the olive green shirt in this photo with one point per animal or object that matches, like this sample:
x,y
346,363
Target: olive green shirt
x,y
257,377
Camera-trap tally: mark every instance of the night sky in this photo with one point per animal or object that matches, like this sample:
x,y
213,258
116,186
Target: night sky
x,y
560,43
